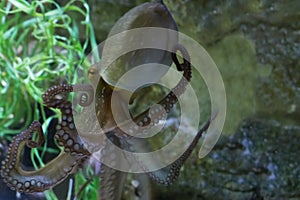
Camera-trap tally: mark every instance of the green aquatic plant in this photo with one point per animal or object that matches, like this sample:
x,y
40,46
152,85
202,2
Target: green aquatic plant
x,y
39,42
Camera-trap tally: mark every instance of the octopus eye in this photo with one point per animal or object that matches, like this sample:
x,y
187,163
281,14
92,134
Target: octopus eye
x,y
92,70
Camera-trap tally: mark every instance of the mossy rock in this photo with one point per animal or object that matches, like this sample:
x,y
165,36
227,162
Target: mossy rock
x,y
259,161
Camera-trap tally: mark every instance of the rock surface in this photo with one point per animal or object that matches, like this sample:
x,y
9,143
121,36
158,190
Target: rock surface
x,y
256,46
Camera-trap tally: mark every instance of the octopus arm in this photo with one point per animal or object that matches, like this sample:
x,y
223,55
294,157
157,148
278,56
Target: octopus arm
x,y
38,180
112,183
153,116
169,174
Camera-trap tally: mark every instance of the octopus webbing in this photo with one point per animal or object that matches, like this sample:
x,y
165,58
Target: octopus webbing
x,y
74,151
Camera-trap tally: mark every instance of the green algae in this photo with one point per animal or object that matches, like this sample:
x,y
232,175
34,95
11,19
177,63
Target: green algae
x,y
235,58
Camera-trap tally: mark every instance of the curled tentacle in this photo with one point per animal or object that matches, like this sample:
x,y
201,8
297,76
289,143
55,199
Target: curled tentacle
x,y
67,135
55,96
52,97
86,98
171,99
169,174
34,181
66,132
58,169
186,57
152,116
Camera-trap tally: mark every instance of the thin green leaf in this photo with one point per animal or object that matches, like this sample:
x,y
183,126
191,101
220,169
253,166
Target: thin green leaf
x,y
22,5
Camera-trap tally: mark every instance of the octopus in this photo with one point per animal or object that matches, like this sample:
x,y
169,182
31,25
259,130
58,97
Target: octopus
x,y
74,152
